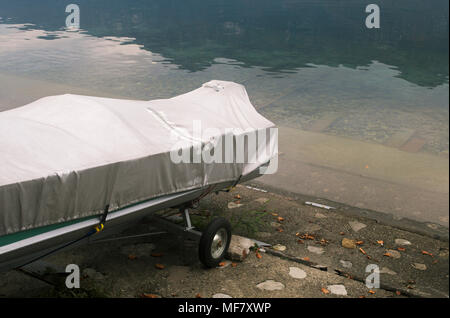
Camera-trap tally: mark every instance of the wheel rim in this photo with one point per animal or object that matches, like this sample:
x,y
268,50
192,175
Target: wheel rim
x,y
219,243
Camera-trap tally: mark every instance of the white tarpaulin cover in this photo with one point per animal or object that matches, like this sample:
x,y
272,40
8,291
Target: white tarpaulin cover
x,y
68,156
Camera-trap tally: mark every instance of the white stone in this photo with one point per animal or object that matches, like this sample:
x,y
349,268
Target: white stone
x,y
394,253
400,241
239,248
346,264
270,285
316,250
356,226
320,216
385,270
337,290
279,247
262,200
296,272
419,266
220,295
233,205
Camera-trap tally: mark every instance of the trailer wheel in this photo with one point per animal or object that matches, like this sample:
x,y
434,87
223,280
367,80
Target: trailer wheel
x,y
214,242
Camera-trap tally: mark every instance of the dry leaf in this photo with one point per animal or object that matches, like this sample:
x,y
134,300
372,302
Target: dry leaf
x,y
325,291
342,233
237,196
258,255
387,254
244,253
159,266
362,296
306,258
297,234
145,295
434,262
426,253
401,249
157,254
233,264
132,256
280,219
222,264
362,251
398,293
371,292
300,241
280,230
198,296
274,214
359,242
380,242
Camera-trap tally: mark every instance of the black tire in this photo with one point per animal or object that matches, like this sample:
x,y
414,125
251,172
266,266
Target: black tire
x,y
217,225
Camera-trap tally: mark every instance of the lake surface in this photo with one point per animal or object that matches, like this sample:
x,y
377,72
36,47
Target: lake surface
x,y
307,65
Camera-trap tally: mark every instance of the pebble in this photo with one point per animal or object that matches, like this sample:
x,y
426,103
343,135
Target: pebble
x,y
337,290
348,243
296,272
233,205
320,215
419,266
219,295
262,200
385,270
316,250
270,285
346,264
279,247
400,241
239,248
394,253
356,226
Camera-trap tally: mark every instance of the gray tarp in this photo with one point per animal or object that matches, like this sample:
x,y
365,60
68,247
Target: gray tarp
x,y
68,156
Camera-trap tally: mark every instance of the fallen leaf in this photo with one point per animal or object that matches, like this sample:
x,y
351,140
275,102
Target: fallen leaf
x,y
159,266
306,258
371,292
325,291
274,214
380,242
300,241
280,219
362,251
145,295
221,264
233,264
434,262
280,230
398,293
362,296
359,242
237,196
427,253
132,256
401,249
342,233
387,254
258,255
157,254
297,234
198,296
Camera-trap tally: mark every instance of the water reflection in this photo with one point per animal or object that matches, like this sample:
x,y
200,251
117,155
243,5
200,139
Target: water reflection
x,y
275,35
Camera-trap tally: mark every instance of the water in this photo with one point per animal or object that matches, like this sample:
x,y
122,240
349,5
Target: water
x,y
311,66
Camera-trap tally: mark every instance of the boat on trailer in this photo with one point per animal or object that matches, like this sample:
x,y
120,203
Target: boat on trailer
x,y
76,169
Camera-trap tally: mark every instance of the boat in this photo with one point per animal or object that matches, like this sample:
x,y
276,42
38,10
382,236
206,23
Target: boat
x,y
75,169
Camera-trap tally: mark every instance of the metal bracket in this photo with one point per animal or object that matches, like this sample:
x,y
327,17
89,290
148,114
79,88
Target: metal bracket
x,y
187,219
